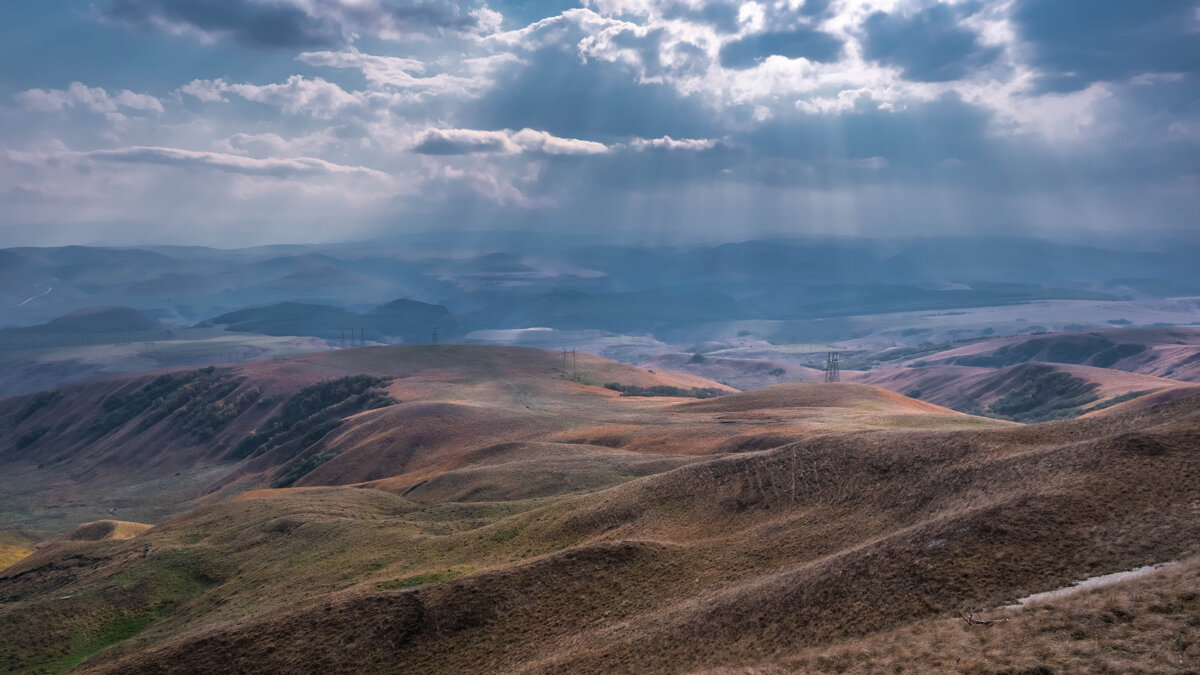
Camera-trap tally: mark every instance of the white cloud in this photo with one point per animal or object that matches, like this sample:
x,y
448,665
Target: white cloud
x,y
408,74
298,95
472,141
95,99
190,159
666,143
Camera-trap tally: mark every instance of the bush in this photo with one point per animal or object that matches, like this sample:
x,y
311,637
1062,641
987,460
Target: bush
x,y
1044,394
664,390
313,412
26,440
1110,356
303,468
38,402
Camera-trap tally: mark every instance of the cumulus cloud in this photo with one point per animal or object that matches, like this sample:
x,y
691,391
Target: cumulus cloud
x,y
506,141
1075,43
801,43
297,95
190,159
931,45
668,144
95,99
409,74
296,24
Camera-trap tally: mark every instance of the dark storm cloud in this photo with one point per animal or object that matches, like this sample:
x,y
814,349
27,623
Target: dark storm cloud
x,y
929,46
804,43
1078,42
257,23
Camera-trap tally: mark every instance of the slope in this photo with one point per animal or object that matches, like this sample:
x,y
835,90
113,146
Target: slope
x,y
718,563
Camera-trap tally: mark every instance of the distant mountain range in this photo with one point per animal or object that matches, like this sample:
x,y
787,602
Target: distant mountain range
x,y
565,285
407,320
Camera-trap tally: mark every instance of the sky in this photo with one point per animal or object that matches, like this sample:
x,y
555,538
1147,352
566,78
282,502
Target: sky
x,y
244,122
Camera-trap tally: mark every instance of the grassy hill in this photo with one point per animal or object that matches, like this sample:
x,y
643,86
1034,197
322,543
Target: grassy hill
x,y
855,541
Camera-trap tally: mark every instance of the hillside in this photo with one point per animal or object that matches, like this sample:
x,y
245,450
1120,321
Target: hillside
x,y
1165,352
792,555
408,321
96,324
1029,392
95,450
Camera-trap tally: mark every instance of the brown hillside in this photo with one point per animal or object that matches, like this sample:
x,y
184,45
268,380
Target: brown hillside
x,y
975,389
816,395
146,447
724,562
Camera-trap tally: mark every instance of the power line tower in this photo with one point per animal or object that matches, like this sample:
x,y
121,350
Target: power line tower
x,y
433,337
832,372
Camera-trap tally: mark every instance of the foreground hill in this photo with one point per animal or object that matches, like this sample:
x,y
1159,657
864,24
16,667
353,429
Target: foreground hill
x,y
857,541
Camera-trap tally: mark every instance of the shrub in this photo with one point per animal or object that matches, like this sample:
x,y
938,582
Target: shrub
x,y
303,467
1044,394
664,390
26,440
313,412
1110,356
38,402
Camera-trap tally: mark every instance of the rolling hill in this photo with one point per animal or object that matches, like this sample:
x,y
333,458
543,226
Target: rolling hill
x,y
94,450
405,320
869,542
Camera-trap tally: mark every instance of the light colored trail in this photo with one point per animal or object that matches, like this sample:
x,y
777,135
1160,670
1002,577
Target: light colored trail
x,y
39,295
1090,583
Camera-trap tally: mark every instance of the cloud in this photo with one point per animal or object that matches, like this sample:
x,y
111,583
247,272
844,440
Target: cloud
x,y
1078,42
297,95
748,51
668,144
291,24
931,45
95,99
506,142
407,74
190,159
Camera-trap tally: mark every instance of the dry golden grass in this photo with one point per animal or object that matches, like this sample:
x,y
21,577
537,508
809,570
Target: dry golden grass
x,y
106,530
528,523
1148,625
15,546
757,558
